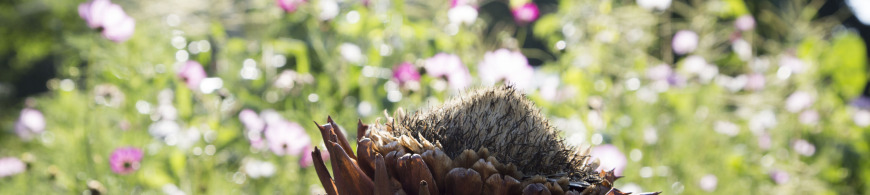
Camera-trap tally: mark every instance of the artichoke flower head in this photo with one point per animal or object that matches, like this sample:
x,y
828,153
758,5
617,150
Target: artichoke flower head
x,y
487,141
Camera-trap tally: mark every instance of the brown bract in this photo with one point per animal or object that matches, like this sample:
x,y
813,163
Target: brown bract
x,y
488,141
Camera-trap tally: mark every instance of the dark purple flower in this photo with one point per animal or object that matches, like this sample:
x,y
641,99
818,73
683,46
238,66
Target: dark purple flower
x,y
125,160
192,73
30,123
526,13
862,102
406,72
110,18
11,166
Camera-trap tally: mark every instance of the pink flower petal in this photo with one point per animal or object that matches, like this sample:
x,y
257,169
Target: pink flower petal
x,y
120,32
192,73
95,17
526,13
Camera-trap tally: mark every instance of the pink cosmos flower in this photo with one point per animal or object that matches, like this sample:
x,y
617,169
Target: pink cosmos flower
x,y
125,160
764,141
503,64
290,5
803,147
755,82
611,158
462,14
406,72
307,159
798,101
30,123
809,117
685,41
11,166
251,120
659,72
286,138
110,18
442,64
793,63
708,182
744,23
778,176
526,13
192,73
451,66
658,5
454,3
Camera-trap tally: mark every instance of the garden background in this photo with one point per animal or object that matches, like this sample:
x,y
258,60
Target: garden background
x,y
218,97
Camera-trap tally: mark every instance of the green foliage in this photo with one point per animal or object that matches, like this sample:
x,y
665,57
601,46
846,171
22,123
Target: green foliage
x,y
599,53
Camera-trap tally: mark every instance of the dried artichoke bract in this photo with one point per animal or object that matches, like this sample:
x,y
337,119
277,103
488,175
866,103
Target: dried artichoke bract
x,y
488,141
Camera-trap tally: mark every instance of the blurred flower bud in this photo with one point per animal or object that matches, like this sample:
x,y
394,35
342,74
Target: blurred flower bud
x,y
525,14
290,5
657,5
405,73
510,66
350,52
742,48
30,123
611,158
328,9
192,73
451,66
109,95
286,138
110,18
463,14
809,117
803,147
780,177
685,41
11,166
708,182
755,81
745,23
257,169
798,101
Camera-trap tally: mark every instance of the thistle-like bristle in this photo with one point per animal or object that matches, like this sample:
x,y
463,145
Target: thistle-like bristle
x,y
498,117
